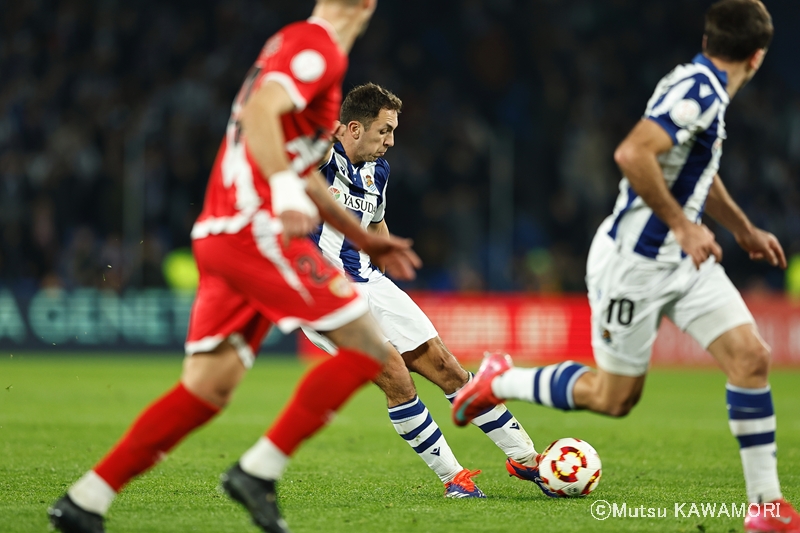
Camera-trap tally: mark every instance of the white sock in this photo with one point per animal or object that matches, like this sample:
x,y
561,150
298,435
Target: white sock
x,y
92,493
508,434
760,467
515,384
264,460
505,431
413,422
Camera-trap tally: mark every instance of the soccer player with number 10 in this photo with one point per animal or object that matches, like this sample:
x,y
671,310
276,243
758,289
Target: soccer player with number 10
x,y
653,257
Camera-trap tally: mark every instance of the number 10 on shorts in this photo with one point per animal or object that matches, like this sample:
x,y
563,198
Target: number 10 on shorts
x,y
624,309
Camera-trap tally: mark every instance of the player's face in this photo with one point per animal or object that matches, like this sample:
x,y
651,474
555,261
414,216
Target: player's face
x,y
375,141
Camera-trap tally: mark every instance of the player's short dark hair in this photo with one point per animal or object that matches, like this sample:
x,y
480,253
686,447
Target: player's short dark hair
x,y
736,29
364,104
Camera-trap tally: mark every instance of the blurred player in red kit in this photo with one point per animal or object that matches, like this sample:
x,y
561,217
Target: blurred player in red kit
x,y
258,268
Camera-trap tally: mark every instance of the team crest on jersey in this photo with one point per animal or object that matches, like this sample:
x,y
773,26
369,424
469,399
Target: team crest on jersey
x,y
369,181
340,287
308,66
336,193
685,112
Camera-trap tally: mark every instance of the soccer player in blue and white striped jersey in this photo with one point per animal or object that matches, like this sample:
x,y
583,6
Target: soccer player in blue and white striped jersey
x,y
653,257
358,175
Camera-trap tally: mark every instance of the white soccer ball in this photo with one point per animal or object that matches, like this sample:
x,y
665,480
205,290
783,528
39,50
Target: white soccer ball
x,y
570,467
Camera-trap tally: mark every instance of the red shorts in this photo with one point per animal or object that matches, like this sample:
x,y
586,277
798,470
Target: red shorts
x,y
249,281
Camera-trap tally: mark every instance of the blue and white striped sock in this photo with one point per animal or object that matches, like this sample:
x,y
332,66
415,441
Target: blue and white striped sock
x,y
414,423
505,431
752,422
551,385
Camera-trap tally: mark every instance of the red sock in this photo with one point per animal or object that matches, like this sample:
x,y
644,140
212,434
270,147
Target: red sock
x,y
321,392
157,430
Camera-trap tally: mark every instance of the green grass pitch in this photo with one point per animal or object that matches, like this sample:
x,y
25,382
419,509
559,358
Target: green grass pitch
x,y
59,414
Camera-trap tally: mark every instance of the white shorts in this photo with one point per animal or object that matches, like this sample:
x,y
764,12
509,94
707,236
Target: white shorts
x,y
402,322
629,295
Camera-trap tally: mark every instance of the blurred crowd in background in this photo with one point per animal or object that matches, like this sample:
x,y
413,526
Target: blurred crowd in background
x,y
96,95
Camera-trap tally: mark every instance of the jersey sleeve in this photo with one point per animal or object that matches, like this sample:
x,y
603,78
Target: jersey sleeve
x,y
382,181
303,59
686,109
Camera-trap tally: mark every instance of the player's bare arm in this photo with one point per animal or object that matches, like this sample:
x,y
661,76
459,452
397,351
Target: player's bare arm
x,y
760,244
393,252
637,157
260,120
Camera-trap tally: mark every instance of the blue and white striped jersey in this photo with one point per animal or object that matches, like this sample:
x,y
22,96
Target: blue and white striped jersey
x,y
361,189
689,103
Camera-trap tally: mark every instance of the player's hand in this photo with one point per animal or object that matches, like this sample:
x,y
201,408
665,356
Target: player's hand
x,y
393,253
296,224
698,242
762,246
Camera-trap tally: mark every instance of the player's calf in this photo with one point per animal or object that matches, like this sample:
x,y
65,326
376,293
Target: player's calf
x,y
395,381
616,407
606,393
743,356
433,361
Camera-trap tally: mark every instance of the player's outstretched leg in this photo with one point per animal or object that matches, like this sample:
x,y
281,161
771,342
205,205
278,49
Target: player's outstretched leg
x,y
157,430
477,400
320,393
413,422
497,380
416,426
434,361
752,421
744,357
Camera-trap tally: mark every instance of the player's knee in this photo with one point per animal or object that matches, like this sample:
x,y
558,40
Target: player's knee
x,y
214,392
213,376
752,361
222,395
361,335
435,362
431,355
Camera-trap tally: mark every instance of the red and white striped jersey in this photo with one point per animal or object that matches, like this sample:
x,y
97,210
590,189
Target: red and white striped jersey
x,y
306,60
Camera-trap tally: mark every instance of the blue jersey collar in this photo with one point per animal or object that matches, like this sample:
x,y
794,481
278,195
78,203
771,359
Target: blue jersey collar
x,y
721,75
340,149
